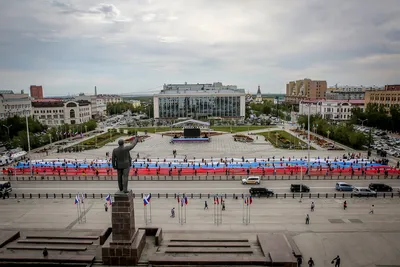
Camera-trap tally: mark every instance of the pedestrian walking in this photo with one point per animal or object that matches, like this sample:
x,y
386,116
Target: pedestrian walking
x,y
312,206
105,207
205,205
223,205
372,209
336,261
310,262
299,261
307,219
345,205
173,213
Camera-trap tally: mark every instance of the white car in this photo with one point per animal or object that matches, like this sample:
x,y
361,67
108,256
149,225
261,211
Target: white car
x,y
363,192
251,180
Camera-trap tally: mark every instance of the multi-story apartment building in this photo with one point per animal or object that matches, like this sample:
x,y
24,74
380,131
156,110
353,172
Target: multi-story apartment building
x,y
14,104
346,93
199,101
389,96
305,89
336,110
54,112
36,91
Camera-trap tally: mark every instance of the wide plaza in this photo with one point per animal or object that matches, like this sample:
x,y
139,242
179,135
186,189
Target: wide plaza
x,y
157,146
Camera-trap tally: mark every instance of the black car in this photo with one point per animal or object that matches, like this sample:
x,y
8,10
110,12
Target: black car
x,y
261,192
296,188
380,187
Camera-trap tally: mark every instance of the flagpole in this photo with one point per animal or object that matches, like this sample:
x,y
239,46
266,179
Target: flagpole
x,y
145,214
77,210
243,210
84,208
150,211
250,211
80,209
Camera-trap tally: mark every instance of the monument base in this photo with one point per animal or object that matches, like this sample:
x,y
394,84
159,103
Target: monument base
x,y
125,244
124,253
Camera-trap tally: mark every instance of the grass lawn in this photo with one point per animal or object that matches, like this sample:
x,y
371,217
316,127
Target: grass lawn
x,y
242,128
283,139
99,141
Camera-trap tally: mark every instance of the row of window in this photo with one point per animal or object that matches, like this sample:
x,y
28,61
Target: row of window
x,y
385,98
26,106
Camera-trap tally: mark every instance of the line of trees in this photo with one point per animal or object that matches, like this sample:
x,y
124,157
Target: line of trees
x,y
269,108
375,115
121,107
343,133
13,132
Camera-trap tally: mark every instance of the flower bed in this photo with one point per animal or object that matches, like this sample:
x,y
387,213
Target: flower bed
x,y
242,138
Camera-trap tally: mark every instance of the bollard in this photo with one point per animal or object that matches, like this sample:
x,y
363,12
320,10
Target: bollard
x,y
191,195
101,195
15,195
54,195
384,195
208,195
392,195
242,195
301,195
309,195
334,195
23,195
234,195
30,195
158,195
284,195
175,195
38,195
343,195
318,195
351,195
62,195
142,195
225,195
293,195
47,195
166,195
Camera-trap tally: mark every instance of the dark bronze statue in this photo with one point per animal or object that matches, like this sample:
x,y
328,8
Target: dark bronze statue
x,y
122,161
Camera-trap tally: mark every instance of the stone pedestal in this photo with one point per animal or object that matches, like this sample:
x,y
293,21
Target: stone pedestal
x,y
125,244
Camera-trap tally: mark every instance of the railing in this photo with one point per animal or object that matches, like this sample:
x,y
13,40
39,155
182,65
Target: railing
x,y
202,195
194,178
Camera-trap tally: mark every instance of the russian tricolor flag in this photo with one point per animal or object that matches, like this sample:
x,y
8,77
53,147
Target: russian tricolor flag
x,y
76,199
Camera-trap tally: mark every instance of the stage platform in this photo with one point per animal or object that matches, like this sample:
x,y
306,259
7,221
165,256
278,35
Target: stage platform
x,y
181,140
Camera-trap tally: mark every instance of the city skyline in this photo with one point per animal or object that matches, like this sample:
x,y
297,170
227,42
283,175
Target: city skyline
x,y
135,47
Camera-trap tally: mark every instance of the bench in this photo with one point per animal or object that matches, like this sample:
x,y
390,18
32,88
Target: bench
x,y
50,258
209,244
199,260
47,247
293,245
208,240
62,237
209,250
66,242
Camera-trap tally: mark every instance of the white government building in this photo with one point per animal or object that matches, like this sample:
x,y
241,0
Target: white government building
x,y
14,104
337,110
199,101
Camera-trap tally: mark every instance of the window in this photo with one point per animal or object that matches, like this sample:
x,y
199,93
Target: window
x,y
71,112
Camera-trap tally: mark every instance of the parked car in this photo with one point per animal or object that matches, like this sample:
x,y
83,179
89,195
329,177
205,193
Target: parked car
x,y
261,192
364,192
380,187
342,186
251,180
296,188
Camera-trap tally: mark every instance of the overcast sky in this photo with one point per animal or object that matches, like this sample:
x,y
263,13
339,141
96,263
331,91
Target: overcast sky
x,y
135,46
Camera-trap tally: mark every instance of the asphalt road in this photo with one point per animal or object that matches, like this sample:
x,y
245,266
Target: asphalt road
x,y
179,186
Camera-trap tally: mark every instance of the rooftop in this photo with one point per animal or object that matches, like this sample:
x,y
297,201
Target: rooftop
x,y
351,101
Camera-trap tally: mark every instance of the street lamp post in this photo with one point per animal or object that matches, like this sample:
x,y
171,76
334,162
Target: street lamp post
x,y
29,144
362,122
328,132
8,131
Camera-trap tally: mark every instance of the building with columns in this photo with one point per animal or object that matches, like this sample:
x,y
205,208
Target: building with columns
x,y
53,112
336,110
199,101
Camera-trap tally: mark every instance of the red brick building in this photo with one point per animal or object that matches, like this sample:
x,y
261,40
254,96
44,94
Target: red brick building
x,y
36,91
